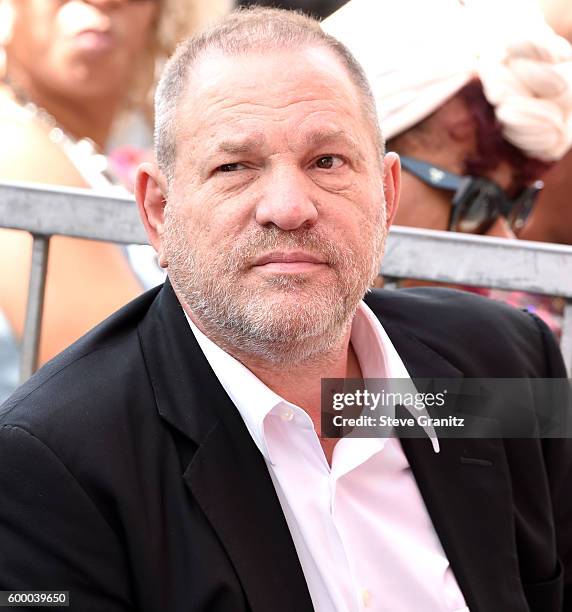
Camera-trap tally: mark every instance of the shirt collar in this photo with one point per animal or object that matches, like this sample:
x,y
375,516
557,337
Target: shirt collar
x,y
254,400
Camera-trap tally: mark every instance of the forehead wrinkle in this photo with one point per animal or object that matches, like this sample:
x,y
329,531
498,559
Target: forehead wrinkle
x,y
213,91
214,98
239,108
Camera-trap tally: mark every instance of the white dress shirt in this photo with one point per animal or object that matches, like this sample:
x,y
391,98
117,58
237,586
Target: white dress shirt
x,y
361,529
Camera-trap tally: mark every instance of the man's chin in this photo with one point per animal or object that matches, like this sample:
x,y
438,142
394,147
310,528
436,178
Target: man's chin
x,y
288,283
296,346
320,279
282,318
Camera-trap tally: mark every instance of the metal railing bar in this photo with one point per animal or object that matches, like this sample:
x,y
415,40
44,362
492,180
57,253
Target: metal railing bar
x,y
516,265
81,213
34,307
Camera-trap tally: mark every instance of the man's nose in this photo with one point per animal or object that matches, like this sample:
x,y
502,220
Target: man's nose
x,y
500,229
287,202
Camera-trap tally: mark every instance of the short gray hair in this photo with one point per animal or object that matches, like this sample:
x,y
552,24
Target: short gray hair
x,y
253,29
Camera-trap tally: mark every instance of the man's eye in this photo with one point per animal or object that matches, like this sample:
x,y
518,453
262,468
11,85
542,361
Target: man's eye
x,y
230,167
329,162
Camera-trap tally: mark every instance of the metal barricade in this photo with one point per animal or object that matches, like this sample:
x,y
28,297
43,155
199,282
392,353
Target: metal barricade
x,y
410,253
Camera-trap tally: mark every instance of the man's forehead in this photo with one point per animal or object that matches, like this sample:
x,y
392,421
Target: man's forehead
x,y
306,90
259,72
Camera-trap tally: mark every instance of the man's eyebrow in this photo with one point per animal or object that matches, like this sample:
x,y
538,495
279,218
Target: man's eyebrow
x,y
325,137
230,147
237,146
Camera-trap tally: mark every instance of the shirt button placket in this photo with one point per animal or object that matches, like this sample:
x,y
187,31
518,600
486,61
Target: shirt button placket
x,y
287,415
366,598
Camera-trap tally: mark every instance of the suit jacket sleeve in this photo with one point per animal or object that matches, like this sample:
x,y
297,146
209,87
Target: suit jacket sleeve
x,y
51,534
558,457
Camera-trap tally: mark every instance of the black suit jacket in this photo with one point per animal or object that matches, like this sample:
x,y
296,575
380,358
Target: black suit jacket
x,y
128,477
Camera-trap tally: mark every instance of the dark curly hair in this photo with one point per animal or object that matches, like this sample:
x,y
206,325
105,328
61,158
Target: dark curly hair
x,y
492,148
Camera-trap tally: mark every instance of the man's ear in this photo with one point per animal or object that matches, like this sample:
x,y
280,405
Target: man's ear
x,y
391,184
150,194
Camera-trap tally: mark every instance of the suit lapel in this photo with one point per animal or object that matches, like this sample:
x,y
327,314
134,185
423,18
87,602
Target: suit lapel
x,y
466,488
229,479
222,467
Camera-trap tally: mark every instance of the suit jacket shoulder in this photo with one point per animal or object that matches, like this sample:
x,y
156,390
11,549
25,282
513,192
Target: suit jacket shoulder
x,y
79,388
132,481
481,337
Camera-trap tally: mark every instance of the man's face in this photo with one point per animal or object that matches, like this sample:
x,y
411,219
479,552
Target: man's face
x,y
276,219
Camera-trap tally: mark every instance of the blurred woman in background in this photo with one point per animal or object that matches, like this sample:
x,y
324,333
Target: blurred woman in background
x,y
71,69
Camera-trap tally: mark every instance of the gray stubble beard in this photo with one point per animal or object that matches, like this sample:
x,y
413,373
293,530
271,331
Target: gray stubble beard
x,y
246,320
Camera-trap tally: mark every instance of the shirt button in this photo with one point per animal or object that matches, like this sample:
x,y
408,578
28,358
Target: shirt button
x,y
366,598
287,415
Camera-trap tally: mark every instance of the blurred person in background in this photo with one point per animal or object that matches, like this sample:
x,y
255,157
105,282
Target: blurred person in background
x,y
70,70
558,14
551,220
476,119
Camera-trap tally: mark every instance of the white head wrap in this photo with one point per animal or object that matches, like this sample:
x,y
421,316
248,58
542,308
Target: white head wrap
x,y
418,53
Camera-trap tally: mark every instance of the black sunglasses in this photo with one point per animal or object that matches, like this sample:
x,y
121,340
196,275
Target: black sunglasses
x,y
477,202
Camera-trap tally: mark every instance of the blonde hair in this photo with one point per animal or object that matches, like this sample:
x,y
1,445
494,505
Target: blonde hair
x,y
178,19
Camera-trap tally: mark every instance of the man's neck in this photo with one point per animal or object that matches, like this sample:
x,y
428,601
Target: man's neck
x,y
297,382
301,384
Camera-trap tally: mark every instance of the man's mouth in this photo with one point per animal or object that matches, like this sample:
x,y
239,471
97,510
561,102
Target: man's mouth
x,y
288,262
